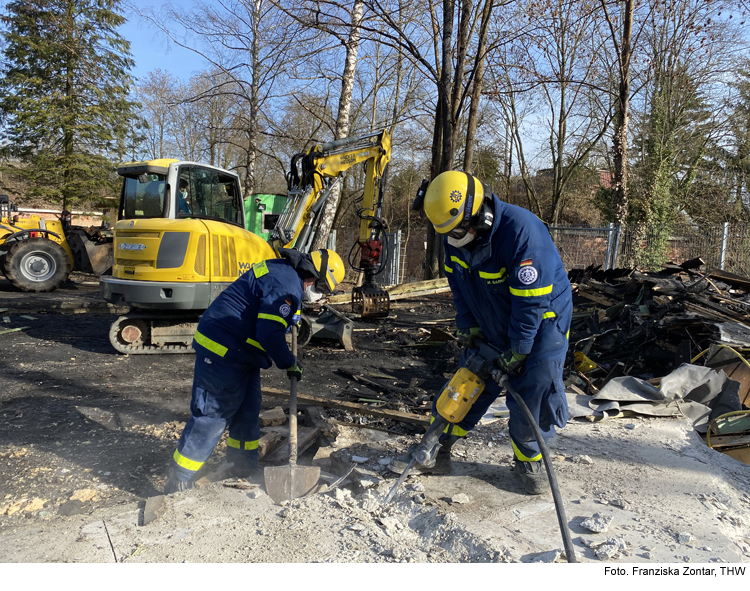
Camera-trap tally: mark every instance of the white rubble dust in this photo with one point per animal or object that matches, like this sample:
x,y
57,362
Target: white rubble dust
x,y
665,496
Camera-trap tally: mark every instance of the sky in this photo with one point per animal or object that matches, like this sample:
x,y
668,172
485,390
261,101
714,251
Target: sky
x,y
152,49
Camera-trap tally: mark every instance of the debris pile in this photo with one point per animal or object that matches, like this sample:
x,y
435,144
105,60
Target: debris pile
x,y
628,322
646,325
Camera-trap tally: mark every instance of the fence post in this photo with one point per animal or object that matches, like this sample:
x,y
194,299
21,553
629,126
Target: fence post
x,y
610,238
616,249
724,240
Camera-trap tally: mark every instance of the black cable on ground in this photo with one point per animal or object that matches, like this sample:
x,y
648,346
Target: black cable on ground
x,y
567,541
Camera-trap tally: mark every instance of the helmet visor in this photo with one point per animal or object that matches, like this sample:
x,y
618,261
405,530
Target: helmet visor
x,y
460,230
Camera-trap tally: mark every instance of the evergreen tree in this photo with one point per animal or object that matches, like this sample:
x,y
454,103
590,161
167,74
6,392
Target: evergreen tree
x,y
64,84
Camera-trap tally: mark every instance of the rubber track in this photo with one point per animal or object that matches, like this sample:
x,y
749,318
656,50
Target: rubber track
x,y
147,349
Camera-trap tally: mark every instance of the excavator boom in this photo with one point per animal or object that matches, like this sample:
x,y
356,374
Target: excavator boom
x,y
322,167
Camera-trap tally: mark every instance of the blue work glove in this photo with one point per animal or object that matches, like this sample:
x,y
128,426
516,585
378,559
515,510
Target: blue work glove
x,y
295,371
511,363
469,336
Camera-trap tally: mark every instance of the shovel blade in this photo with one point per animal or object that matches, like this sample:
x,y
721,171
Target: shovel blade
x,y
284,483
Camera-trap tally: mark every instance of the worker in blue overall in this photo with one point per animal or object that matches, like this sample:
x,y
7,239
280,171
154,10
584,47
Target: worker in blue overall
x,y
510,289
242,332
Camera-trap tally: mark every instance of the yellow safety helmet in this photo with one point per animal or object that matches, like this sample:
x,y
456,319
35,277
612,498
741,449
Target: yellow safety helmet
x,y
452,199
330,267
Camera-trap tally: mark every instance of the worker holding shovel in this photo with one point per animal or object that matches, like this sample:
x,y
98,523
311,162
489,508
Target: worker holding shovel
x,y
509,289
242,332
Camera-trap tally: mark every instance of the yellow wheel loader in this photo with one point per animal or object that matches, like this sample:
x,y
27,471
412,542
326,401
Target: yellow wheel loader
x,y
38,255
180,240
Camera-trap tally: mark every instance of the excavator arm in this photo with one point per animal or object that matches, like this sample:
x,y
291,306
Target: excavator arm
x,y
311,179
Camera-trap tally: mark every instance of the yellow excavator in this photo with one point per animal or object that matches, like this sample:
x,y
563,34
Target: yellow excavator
x,y
180,240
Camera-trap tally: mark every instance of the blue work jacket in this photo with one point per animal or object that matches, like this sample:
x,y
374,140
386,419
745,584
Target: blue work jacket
x,y
248,321
511,281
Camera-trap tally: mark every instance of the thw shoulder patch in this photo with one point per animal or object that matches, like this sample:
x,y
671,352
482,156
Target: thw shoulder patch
x,y
260,269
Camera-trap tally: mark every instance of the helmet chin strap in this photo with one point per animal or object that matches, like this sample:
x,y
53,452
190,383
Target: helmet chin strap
x,y
321,285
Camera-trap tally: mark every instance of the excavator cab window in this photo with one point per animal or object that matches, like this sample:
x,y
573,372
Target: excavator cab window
x,y
143,196
212,194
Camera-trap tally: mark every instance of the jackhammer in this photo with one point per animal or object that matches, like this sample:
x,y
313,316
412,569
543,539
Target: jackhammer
x,y
452,406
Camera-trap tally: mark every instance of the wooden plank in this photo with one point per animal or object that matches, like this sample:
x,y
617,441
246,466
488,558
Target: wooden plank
x,y
605,289
595,297
403,291
268,443
306,436
417,287
729,440
730,278
382,413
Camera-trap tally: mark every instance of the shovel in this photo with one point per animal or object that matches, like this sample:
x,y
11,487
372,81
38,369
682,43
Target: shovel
x,y
284,483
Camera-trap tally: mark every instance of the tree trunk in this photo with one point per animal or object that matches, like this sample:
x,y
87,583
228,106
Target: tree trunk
x,y
446,160
622,117
476,90
342,120
69,124
252,125
433,239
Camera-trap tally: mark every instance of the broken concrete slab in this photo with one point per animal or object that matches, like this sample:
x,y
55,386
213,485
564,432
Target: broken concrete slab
x,y
273,417
460,499
154,507
548,557
597,523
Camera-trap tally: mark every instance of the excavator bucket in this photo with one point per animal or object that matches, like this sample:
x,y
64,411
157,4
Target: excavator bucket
x,y
370,301
90,256
333,325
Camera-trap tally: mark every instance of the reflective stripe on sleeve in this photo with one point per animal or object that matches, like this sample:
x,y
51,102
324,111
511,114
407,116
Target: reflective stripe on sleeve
x,y
237,444
460,262
273,317
448,269
530,293
209,344
499,275
186,463
255,344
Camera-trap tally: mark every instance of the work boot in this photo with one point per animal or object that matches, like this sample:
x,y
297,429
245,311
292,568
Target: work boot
x,y
442,465
173,485
532,475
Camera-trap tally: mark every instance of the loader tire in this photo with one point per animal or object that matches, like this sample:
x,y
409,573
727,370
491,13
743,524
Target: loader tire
x,y
37,264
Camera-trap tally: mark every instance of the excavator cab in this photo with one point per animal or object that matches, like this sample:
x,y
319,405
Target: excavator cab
x,y
179,241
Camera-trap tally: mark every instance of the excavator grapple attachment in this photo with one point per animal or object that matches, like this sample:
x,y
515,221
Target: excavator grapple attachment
x,y
370,302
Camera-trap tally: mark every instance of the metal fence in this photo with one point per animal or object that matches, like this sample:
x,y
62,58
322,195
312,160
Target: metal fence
x,y
392,274
722,246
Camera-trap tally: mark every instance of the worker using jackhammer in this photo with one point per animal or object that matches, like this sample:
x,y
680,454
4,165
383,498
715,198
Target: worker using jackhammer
x,y
509,289
242,332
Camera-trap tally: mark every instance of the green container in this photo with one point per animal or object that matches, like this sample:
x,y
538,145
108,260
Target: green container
x,y
262,211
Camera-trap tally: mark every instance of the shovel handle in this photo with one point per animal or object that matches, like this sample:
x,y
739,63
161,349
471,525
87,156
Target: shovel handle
x,y
293,405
